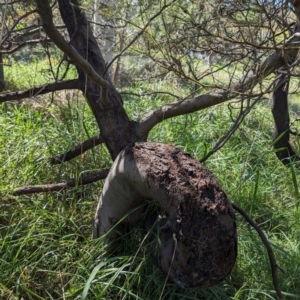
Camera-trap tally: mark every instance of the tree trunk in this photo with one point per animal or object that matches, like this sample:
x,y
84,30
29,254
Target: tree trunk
x,y
198,242
115,127
2,82
280,111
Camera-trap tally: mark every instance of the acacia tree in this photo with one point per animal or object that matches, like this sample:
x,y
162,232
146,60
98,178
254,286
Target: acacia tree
x,y
249,41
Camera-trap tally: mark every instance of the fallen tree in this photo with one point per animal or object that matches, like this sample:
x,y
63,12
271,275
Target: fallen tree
x,y
160,171
197,233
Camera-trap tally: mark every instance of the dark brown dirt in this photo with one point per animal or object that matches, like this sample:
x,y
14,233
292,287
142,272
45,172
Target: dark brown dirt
x,y
198,231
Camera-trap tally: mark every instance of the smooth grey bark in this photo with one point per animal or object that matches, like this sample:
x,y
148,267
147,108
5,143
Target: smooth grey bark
x,y
197,233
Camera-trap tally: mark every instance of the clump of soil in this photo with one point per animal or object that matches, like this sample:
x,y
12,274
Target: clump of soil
x,y
196,236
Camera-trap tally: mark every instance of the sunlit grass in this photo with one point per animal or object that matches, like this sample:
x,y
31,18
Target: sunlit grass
x,y
19,75
46,250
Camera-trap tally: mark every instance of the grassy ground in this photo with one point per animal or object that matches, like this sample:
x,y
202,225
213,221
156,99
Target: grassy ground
x,y
46,250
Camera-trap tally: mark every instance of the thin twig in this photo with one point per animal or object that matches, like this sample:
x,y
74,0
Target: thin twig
x,y
70,183
77,150
46,15
268,247
23,44
138,34
222,141
150,94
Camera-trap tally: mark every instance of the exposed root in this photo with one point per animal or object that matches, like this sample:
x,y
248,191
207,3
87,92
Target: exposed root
x,y
196,211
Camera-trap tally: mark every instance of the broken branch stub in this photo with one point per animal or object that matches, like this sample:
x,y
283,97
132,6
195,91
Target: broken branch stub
x,y
198,239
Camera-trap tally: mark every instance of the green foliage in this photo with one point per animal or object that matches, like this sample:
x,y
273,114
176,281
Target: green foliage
x,y
46,250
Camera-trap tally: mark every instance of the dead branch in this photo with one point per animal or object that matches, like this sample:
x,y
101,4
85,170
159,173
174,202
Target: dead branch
x,y
45,13
77,150
55,187
33,29
265,241
39,90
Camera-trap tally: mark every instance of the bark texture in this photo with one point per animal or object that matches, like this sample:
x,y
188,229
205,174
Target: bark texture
x,y
115,127
197,233
280,111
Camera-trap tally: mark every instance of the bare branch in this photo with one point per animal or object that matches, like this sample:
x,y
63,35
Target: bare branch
x,y
139,34
43,89
45,13
23,44
55,187
33,29
268,247
249,81
150,94
77,150
222,141
15,24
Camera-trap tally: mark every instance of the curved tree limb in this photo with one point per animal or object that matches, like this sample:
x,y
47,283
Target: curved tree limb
x,y
39,90
249,81
45,13
70,183
77,150
268,247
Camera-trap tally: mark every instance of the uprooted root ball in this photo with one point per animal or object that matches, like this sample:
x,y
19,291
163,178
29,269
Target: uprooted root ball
x,y
197,241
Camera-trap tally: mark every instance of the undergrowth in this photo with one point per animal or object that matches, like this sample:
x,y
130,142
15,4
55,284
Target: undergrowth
x,y
46,250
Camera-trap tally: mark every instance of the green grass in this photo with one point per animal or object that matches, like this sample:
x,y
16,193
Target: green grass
x,y
46,250
24,75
